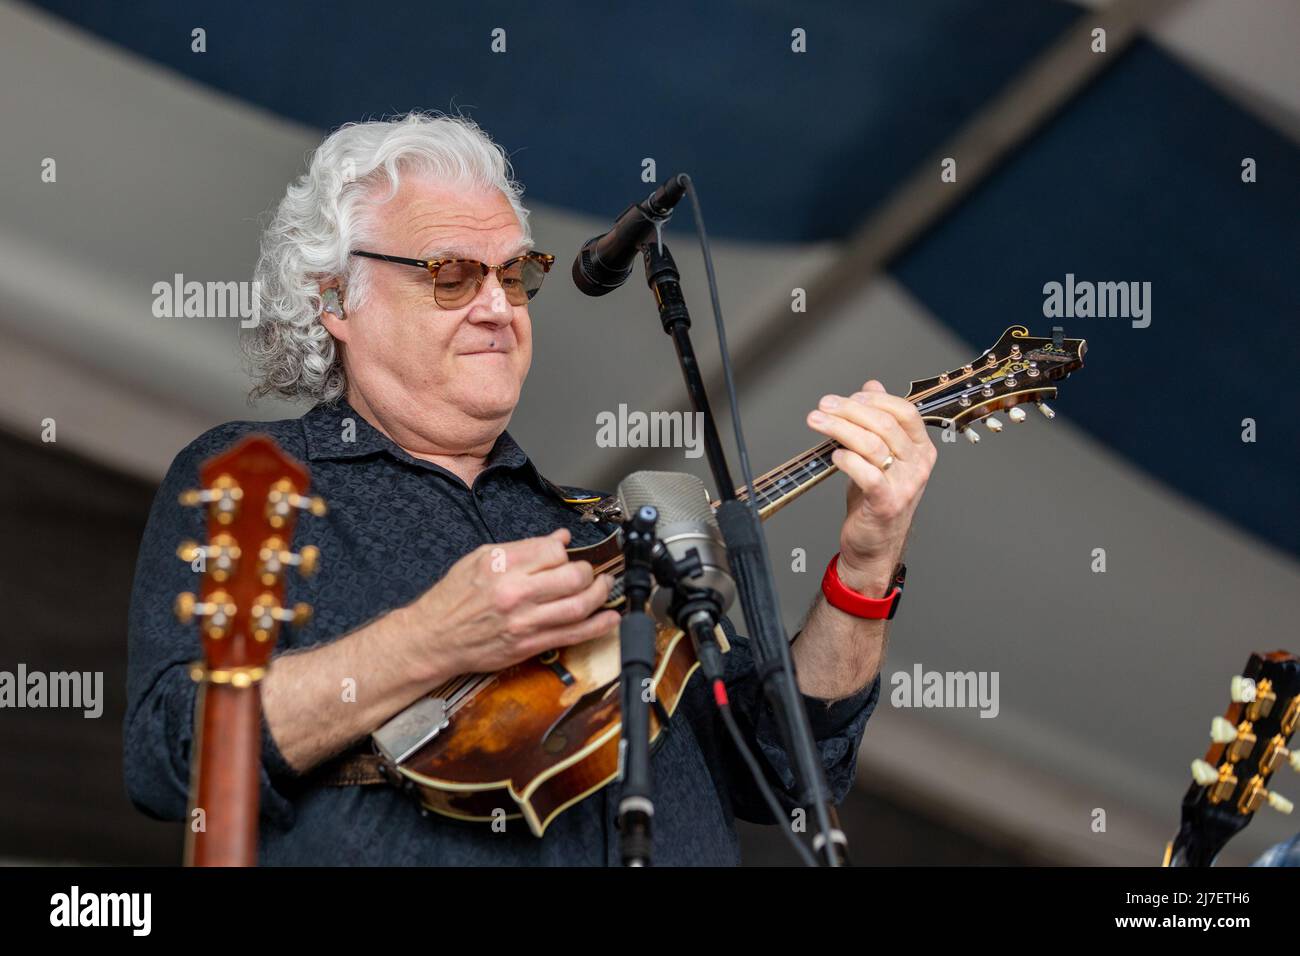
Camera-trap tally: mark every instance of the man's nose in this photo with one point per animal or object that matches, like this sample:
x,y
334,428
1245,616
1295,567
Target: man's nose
x,y
491,305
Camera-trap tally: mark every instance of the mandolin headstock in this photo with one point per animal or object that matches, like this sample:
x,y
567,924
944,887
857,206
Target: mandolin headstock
x,y
1247,744
1019,368
252,493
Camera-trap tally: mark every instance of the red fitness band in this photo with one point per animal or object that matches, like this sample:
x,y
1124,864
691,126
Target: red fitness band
x,y
852,602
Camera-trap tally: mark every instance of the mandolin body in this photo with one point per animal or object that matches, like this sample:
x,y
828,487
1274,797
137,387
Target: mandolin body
x,y
544,733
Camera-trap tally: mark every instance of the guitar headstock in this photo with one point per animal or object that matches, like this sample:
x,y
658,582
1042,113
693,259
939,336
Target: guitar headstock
x,y
1248,743
1019,368
252,494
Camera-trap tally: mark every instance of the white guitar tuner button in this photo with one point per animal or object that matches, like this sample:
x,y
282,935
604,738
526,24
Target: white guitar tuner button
x,y
993,424
1222,731
1016,414
971,435
1203,773
1046,410
1280,803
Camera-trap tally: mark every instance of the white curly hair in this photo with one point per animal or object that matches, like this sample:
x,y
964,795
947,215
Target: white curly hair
x,y
326,213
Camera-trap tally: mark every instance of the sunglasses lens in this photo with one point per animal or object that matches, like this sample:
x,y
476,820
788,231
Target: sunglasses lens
x,y
522,280
457,284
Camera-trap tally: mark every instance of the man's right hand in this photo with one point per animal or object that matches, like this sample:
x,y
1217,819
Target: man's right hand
x,y
503,603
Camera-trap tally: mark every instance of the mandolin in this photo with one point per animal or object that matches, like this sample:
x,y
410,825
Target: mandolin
x,y
1247,744
252,493
539,736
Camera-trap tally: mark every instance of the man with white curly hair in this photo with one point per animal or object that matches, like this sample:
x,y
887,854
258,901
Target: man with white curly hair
x,y
396,277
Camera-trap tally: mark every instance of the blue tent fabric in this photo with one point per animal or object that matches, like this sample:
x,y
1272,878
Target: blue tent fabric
x,y
785,146
1138,178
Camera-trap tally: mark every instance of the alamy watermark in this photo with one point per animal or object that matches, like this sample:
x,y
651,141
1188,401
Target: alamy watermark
x,y
78,690
637,429
208,300
922,688
130,910
1103,300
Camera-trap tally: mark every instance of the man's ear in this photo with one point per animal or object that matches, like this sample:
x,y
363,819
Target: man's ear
x,y
333,312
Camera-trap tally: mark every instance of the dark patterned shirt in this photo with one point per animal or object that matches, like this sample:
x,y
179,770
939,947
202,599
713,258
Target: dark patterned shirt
x,y
395,526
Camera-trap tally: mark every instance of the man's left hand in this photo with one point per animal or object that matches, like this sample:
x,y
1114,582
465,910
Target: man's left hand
x,y
876,429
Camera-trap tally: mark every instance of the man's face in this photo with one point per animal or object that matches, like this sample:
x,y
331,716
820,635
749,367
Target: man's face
x,y
422,368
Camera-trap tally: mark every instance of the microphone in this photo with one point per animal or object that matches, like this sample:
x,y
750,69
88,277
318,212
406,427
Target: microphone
x,y
604,262
686,522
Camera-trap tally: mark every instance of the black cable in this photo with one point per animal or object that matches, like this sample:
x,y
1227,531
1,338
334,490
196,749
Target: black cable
x,y
793,702
764,788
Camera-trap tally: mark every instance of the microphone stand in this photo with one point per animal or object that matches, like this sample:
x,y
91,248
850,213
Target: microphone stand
x,y
755,585
636,633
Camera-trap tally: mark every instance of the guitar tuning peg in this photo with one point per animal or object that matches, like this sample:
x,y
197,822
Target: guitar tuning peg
x,y
1016,414
265,613
282,499
971,435
1204,773
224,496
1222,731
219,610
1046,410
274,556
308,560
993,424
184,607
222,553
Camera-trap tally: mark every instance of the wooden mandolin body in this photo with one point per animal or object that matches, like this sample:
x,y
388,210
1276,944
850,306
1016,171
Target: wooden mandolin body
x,y
544,733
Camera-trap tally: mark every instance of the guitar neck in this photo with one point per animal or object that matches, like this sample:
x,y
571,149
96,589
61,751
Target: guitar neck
x,y
226,760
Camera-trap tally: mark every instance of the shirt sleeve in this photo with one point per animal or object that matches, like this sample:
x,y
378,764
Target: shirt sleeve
x,y
837,728
158,734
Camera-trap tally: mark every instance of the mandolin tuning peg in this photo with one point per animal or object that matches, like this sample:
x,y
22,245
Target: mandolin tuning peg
x,y
1242,689
1017,414
1047,411
971,435
1222,731
993,424
1280,803
1204,773
1294,760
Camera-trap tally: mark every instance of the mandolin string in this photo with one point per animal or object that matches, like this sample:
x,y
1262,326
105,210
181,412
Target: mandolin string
x,y
471,690
766,482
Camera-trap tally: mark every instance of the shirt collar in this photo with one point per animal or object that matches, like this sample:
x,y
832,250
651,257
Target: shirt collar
x,y
335,430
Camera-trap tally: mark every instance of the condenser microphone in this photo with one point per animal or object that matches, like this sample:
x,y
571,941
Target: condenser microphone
x,y
605,261
686,522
